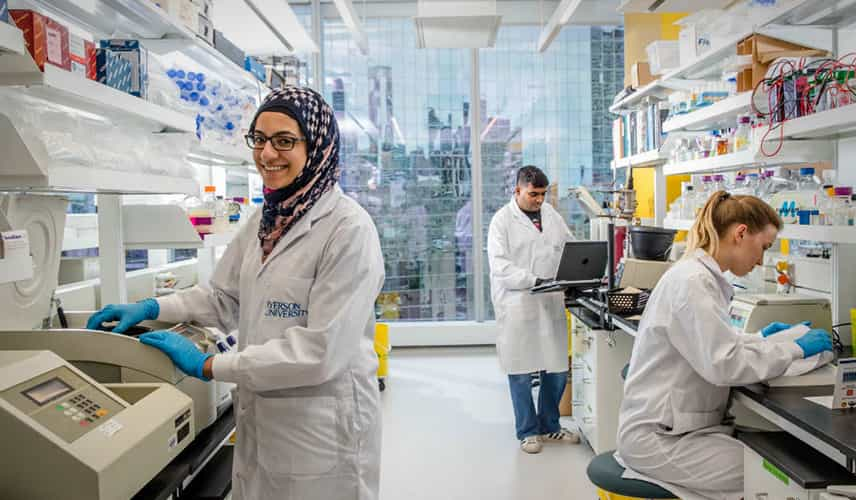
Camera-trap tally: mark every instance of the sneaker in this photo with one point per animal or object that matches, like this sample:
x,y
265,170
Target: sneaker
x,y
563,436
530,444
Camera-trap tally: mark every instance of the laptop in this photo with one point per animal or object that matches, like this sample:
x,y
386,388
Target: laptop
x,y
583,264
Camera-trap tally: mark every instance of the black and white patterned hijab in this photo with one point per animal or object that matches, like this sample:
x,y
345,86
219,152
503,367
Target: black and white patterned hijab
x,y
284,207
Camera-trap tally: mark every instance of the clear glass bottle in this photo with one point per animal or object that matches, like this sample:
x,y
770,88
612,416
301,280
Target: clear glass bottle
x,y
719,184
721,144
743,133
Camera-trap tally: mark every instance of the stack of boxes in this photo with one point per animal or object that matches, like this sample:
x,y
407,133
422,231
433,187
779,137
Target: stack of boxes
x,y
137,58
47,40
112,70
195,15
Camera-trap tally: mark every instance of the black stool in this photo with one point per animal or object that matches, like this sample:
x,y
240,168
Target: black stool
x,y
605,473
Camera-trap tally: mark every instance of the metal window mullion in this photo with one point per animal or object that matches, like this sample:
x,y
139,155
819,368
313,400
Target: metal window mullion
x,y
477,198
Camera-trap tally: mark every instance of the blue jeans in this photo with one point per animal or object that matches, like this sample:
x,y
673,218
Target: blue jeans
x,y
527,422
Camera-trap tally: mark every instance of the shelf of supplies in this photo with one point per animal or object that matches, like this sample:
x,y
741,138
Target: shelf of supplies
x,y
63,88
647,159
820,14
717,115
825,234
833,124
144,20
714,60
11,39
792,153
222,155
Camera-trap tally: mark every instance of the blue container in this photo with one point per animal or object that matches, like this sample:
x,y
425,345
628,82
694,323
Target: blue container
x,y
805,217
255,67
112,70
138,57
4,11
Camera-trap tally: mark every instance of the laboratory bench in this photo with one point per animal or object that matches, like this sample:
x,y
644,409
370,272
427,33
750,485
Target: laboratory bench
x,y
830,432
206,460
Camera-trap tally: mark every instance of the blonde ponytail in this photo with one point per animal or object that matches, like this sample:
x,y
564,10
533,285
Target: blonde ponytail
x,y
723,210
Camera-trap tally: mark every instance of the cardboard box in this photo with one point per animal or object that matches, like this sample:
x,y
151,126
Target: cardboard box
x,y
640,74
81,51
764,50
205,29
255,67
185,11
229,49
206,7
138,57
91,63
113,70
46,39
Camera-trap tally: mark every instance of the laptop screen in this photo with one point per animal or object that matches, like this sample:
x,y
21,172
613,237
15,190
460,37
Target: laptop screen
x,y
582,261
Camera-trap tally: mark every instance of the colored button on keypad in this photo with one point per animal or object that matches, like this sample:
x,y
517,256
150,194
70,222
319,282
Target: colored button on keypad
x,y
101,413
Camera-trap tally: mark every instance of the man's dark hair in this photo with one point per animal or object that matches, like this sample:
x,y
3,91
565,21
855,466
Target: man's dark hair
x,y
530,174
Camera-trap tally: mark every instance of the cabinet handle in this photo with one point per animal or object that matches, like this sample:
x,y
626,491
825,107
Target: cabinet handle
x,y
577,403
588,381
761,496
588,420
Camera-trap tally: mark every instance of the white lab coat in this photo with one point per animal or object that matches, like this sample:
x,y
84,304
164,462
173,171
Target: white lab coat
x,y
307,401
533,333
673,427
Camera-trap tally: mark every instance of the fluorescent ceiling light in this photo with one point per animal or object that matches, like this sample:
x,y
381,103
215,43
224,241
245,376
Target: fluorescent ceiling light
x,y
263,27
454,24
349,17
579,12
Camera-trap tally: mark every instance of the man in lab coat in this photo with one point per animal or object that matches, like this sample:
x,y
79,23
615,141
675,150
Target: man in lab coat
x,y
525,243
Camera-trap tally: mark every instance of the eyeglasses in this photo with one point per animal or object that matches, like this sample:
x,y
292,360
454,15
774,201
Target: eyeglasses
x,y
280,142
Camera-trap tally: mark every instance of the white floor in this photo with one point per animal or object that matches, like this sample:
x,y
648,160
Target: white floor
x,y
449,434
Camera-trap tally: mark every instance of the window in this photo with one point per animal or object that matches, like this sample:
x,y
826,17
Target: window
x,y
404,115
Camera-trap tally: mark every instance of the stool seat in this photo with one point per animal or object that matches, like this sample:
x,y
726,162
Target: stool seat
x,y
605,472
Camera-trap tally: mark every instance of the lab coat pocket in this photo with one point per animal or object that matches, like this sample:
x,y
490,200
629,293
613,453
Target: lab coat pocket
x,y
285,304
298,435
694,410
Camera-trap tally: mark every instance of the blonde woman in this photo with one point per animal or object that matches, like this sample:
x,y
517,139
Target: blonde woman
x,y
673,426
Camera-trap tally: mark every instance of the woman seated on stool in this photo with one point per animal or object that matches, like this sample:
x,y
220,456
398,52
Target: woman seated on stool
x,y
673,428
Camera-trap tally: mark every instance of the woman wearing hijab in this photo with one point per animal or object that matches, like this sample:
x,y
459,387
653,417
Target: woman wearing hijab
x,y
298,283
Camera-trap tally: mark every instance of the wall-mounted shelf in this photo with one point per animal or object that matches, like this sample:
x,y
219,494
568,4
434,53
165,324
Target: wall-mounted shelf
x,y
718,115
793,152
647,159
64,88
825,234
11,40
144,20
833,124
166,226
715,59
222,155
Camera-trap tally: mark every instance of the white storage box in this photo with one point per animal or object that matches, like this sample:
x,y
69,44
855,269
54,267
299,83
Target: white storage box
x,y
663,55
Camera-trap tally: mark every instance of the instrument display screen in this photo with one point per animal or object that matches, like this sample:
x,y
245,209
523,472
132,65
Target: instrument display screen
x,y
47,391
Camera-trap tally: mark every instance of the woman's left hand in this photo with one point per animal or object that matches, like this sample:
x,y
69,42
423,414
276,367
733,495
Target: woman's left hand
x,y
776,327
180,350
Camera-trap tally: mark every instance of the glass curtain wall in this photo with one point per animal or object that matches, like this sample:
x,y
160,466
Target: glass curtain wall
x,y
405,116
549,110
404,120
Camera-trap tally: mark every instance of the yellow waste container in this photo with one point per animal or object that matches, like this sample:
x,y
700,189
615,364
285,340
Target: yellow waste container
x,y
382,348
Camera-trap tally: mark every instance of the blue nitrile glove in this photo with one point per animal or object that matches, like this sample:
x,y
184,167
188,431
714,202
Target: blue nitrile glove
x,y
815,341
127,315
778,326
180,350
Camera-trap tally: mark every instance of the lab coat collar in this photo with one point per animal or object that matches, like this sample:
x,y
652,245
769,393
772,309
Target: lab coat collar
x,y
710,263
321,209
524,219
